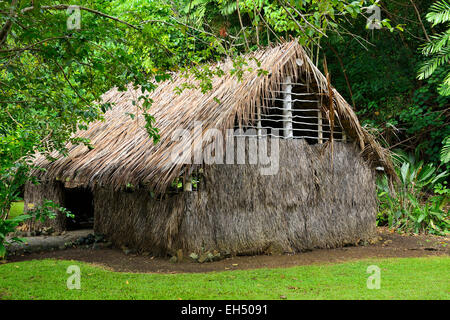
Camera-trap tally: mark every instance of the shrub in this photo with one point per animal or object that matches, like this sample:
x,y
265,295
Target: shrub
x,y
47,210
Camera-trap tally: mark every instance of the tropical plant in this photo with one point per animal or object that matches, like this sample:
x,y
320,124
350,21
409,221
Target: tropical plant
x,y
414,174
418,202
438,47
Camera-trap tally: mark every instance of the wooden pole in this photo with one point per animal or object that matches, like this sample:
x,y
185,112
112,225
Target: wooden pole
x,y
320,127
187,185
287,109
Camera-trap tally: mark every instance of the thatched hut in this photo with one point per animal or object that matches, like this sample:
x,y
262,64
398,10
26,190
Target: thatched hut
x,y
321,195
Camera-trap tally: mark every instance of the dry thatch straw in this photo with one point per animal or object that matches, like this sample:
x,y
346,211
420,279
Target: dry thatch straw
x,y
124,154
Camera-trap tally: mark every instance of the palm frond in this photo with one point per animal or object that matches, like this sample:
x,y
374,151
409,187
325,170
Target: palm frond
x,y
228,8
444,87
445,152
437,43
439,12
429,66
438,47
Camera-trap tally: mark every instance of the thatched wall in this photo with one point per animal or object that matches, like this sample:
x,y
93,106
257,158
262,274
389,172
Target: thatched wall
x,y
310,203
35,194
137,220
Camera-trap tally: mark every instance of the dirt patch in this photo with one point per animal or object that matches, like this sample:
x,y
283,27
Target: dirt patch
x,y
389,245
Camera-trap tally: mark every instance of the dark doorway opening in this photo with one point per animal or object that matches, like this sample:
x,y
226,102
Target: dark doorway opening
x,y
79,201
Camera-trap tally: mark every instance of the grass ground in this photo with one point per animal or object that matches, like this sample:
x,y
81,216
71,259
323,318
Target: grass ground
x,y
16,209
405,278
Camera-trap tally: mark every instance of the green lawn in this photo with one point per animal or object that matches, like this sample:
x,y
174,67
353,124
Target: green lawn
x,y
407,278
16,209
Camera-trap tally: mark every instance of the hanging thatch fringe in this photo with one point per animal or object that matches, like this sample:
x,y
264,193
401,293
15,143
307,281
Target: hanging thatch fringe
x,y
124,154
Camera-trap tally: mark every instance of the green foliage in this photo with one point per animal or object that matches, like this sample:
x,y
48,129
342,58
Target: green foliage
x,y
439,12
47,210
52,78
381,68
259,22
17,208
409,207
437,49
445,152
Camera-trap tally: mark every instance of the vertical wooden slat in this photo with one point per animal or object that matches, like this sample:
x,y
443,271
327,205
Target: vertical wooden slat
x,y
258,123
287,109
320,127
